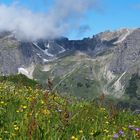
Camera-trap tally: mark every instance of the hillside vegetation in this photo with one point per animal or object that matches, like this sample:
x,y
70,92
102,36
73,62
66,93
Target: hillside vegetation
x,y
27,112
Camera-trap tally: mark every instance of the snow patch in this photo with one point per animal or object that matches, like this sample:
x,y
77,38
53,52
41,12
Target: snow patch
x,y
38,54
27,71
23,71
45,60
47,53
34,43
44,51
47,45
63,50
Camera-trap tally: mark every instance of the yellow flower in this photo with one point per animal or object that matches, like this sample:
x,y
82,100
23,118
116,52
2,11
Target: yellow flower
x,y
91,133
102,109
107,122
135,121
17,111
24,107
2,102
73,138
46,112
15,125
42,102
16,128
124,128
81,131
106,131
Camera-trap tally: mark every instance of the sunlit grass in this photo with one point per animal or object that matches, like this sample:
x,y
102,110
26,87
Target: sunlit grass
x,y
27,113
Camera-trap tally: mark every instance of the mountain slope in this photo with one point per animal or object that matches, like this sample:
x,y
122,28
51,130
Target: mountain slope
x,y
85,68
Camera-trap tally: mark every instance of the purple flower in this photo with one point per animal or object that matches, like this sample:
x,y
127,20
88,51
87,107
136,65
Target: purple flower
x,y
131,127
121,132
137,129
116,136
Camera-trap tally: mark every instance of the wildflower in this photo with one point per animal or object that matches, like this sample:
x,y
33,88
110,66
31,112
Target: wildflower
x,y
91,133
137,129
24,107
73,138
2,102
102,109
42,102
107,122
46,112
15,125
81,131
59,110
116,136
5,132
121,132
17,111
16,128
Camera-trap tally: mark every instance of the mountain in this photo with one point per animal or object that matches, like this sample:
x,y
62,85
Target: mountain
x,y
104,63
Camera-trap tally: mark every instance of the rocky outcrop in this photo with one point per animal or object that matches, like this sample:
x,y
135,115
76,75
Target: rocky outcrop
x,y
127,54
124,44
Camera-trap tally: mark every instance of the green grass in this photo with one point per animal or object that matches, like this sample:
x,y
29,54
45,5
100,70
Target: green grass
x,y
28,113
19,80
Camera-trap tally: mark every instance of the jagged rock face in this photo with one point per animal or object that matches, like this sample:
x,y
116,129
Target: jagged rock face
x,y
127,54
14,54
124,44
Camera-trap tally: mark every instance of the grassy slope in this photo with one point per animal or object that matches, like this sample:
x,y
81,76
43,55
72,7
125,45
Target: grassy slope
x,y
19,80
30,113
80,75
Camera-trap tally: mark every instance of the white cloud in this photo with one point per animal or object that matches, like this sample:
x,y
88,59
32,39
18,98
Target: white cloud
x,y
62,17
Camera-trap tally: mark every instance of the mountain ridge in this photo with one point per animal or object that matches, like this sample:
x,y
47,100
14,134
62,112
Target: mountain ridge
x,y
104,62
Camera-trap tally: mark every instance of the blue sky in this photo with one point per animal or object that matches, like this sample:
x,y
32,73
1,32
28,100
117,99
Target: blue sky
x,y
109,15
